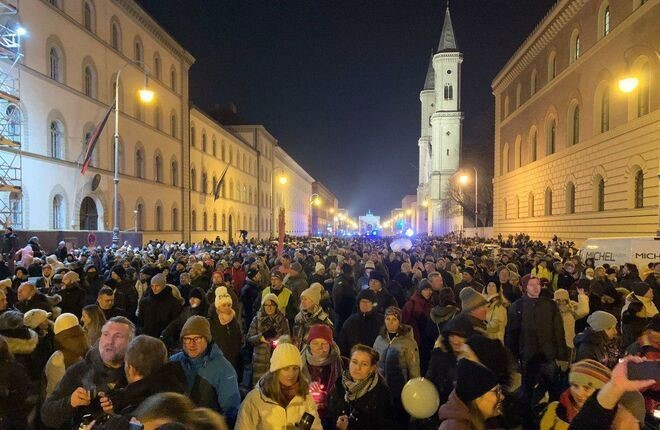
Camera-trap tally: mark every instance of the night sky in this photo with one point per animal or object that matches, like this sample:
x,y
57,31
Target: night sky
x,y
338,82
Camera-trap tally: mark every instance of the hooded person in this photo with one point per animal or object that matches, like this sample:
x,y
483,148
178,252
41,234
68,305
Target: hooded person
x,y
571,311
196,305
226,329
476,398
92,283
73,296
310,313
266,328
363,326
599,341
22,342
281,397
158,308
71,344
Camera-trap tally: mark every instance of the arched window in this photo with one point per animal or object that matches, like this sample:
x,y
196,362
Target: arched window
x,y
643,91
13,123
518,95
505,159
139,163
115,37
530,205
157,122
173,124
175,219
156,70
174,172
138,51
548,202
551,137
205,223
205,183
222,151
532,83
231,189
173,79
58,212
56,140
449,92
214,148
638,190
224,222
552,66
193,220
159,218
192,136
532,145
517,152
599,194
89,81
575,46
203,141
231,155
570,198
88,16
605,110
215,221
193,179
606,21
158,168
506,107
139,217
574,124
56,66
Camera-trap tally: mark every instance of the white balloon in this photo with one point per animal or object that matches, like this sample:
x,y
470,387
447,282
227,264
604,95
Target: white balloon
x,y
420,398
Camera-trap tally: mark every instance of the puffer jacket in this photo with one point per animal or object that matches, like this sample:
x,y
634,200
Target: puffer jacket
x,y
260,412
596,346
399,357
496,318
304,320
14,383
212,381
279,326
454,415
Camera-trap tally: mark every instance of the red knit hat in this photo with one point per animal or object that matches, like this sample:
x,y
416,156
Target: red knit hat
x,y
319,331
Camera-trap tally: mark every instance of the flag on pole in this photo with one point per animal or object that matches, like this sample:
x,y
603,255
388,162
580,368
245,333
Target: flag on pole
x,y
93,139
216,191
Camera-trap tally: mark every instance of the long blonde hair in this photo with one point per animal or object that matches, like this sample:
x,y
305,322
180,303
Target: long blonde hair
x,y
271,386
93,329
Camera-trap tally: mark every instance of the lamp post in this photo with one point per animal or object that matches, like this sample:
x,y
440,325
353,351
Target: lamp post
x,y
146,96
464,180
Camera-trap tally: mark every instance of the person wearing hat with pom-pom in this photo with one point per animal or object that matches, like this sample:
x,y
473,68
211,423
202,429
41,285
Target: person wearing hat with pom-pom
x,y
281,396
226,329
310,313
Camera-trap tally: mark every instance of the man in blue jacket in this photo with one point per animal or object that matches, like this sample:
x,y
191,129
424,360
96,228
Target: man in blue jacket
x,y
212,381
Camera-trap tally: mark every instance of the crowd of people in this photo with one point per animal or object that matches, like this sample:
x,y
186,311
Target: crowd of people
x,y
324,333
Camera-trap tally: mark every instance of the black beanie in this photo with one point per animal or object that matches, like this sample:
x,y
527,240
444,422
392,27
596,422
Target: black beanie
x,y
197,293
640,288
378,276
473,381
367,294
492,354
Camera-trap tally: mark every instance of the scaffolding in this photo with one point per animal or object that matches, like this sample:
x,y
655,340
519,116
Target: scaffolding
x,y
11,211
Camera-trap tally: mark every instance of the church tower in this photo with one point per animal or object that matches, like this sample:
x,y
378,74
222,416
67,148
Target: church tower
x,y
440,137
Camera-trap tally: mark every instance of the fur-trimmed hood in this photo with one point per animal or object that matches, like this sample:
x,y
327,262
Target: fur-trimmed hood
x,y
23,344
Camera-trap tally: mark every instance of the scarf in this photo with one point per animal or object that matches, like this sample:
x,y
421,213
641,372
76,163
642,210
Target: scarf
x,y
356,389
288,393
569,405
314,361
649,307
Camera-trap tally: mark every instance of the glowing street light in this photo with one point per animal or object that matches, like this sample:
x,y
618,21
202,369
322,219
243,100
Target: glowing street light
x,y
282,180
464,179
408,212
21,31
425,203
628,84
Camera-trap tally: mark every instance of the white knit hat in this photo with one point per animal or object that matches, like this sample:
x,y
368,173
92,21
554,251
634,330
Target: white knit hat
x,y
70,277
222,296
313,293
65,322
285,355
34,317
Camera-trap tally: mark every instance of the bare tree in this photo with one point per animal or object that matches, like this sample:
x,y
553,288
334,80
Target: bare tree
x,y
464,197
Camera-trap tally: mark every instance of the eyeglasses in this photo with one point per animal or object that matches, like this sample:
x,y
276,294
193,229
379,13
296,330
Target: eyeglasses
x,y
196,339
270,305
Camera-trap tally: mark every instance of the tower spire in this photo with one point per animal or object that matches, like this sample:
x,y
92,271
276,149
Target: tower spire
x,y
447,39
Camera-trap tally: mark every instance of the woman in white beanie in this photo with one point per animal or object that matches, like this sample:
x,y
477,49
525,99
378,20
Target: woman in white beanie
x,y
265,329
311,313
281,398
71,344
226,329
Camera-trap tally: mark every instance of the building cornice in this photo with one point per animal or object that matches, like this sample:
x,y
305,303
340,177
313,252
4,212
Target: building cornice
x,y
287,160
544,33
148,23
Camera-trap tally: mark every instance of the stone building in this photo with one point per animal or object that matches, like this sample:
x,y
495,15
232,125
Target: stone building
x,y
574,154
171,153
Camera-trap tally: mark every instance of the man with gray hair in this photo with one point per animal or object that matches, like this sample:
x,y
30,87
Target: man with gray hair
x,y
101,371
29,298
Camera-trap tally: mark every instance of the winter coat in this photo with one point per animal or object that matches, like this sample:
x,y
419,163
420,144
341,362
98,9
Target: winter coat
x,y
570,313
384,300
57,411
324,374
372,411
304,320
593,416
73,299
278,326
92,286
238,277
126,297
454,415
442,371
343,298
167,378
229,339
14,384
359,328
212,381
157,311
496,318
172,332
22,344
260,412
249,293
633,320
297,284
399,358
72,346
285,301
535,329
38,301
596,346
416,313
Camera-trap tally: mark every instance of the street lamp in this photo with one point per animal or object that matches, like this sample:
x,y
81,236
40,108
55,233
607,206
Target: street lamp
x,y
146,96
464,179
628,84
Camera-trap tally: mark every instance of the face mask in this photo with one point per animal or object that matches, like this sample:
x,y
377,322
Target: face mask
x,y
92,275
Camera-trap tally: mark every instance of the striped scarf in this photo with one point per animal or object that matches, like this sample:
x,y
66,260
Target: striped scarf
x,y
356,389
